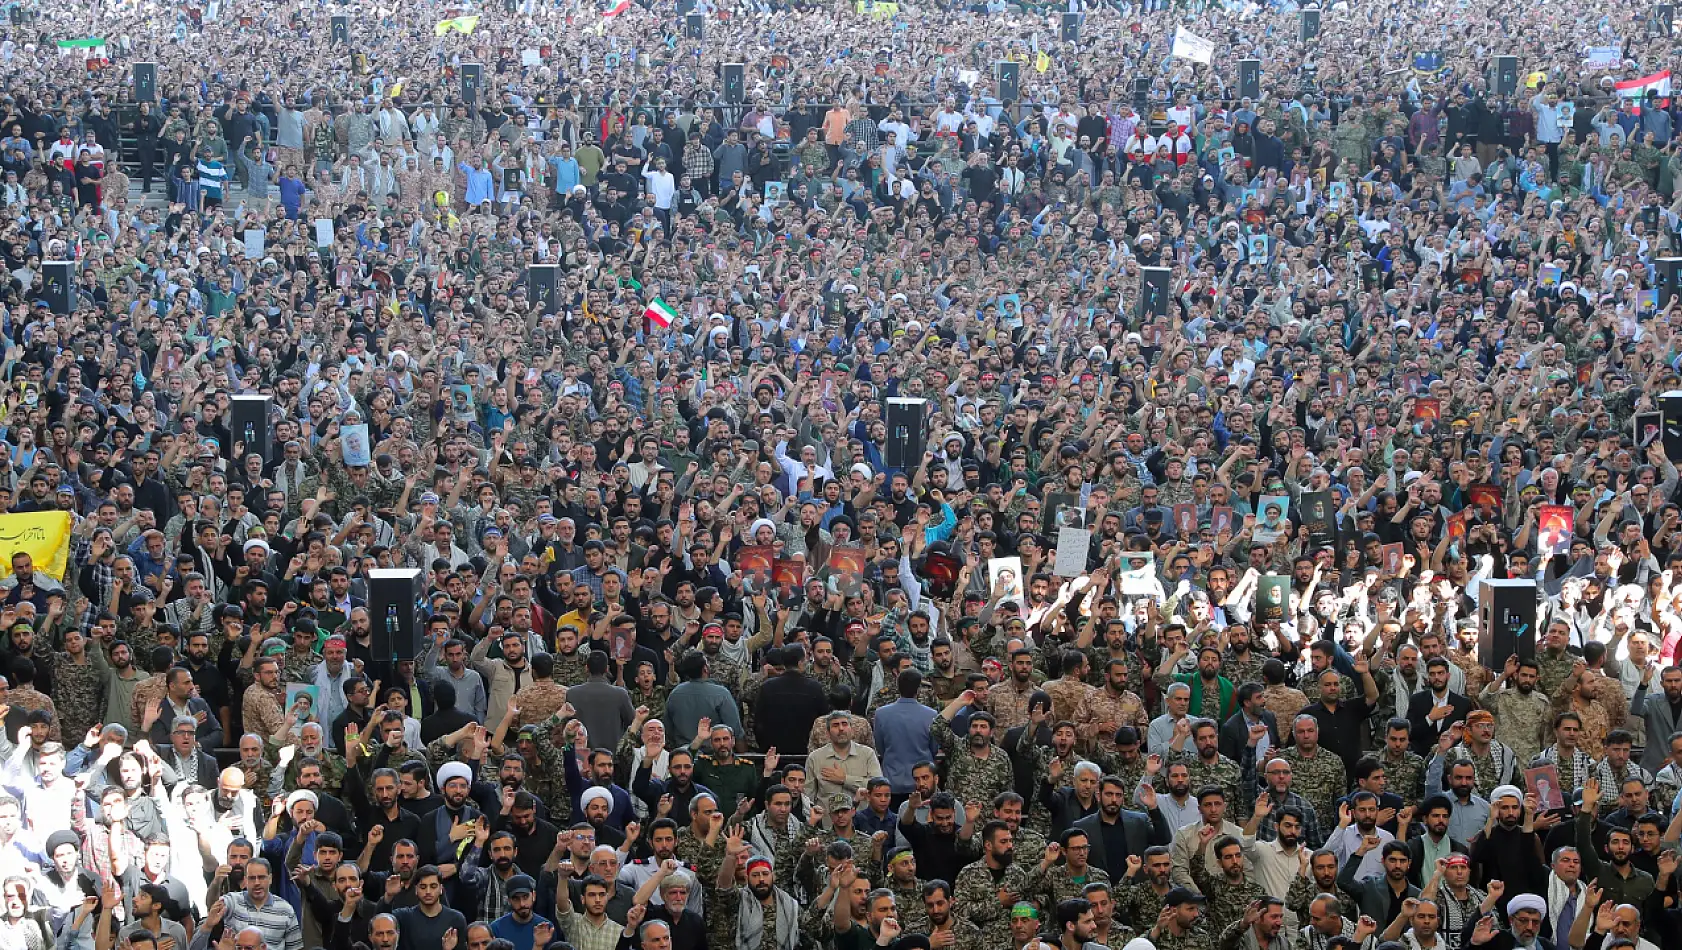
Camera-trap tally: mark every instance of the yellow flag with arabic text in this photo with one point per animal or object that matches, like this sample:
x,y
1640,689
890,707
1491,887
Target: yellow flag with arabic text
x,y
43,535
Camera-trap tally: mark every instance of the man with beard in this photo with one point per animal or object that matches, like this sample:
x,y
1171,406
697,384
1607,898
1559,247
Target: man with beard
x,y
1524,915
257,906
775,827
265,698
595,774
680,785
329,810
1076,925
487,869
1064,871
591,926
844,766
666,895
1433,710
521,925
986,890
1319,877
662,841
1229,888
1192,839
760,916
1211,693
1435,844
1241,725
975,766
1509,848
1262,927
1342,719
506,675
312,745
358,698
1070,803
314,854
1206,765
907,888
947,930
1280,796
1459,904
452,822
1619,878
536,837
1378,895
1115,832
379,813
1521,712
1317,772
940,846
184,760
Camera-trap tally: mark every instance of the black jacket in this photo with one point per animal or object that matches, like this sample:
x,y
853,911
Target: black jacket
x,y
784,713
1235,734
1422,731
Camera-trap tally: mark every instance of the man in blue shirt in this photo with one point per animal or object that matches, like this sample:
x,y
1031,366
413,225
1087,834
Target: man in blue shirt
x,y
901,729
521,926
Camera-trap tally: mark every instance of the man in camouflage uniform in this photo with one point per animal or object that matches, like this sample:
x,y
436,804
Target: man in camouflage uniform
x,y
807,847
1493,764
1105,710
1185,927
1206,765
938,906
1063,872
976,769
1404,769
700,844
78,691
1317,773
907,889
986,891
738,865
1555,663
1320,879
1139,894
1522,712
1229,889
1241,664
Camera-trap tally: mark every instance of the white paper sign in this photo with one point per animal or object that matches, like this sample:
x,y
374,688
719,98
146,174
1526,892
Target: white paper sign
x,y
1603,57
1073,545
969,77
254,243
531,57
1188,45
323,232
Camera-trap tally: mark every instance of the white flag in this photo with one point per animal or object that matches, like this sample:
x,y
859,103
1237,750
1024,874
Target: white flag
x,y
1188,45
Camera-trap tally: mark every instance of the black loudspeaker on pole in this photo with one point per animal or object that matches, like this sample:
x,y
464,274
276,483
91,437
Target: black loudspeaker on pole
x,y
341,30
1309,27
1506,621
1070,32
735,91
907,421
1009,76
394,598
1249,79
146,82
248,420
694,26
472,74
58,285
1154,292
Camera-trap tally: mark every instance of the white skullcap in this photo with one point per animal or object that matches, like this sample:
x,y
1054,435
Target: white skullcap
x,y
453,770
1506,791
591,794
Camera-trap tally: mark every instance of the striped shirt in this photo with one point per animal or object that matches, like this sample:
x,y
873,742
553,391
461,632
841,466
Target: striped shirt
x,y
212,175
275,918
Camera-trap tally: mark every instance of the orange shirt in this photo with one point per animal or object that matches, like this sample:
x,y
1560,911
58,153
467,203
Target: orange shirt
x,y
835,126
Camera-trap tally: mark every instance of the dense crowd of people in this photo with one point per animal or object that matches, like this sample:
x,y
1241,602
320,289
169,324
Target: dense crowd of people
x,y
1161,629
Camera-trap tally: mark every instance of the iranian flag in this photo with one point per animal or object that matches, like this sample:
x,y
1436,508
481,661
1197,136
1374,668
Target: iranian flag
x,y
90,48
1638,89
659,314
620,7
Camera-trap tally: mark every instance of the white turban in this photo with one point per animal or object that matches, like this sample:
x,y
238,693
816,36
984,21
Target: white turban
x,y
1506,791
1527,902
452,770
765,522
302,795
591,794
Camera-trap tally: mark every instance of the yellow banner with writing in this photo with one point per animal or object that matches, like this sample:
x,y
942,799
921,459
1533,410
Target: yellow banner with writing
x,y
43,535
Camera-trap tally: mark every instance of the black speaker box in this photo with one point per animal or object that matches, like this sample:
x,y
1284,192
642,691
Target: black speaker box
x,y
145,82
734,89
248,420
472,74
1009,76
542,281
907,421
1249,79
58,285
1506,621
394,599
1155,292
